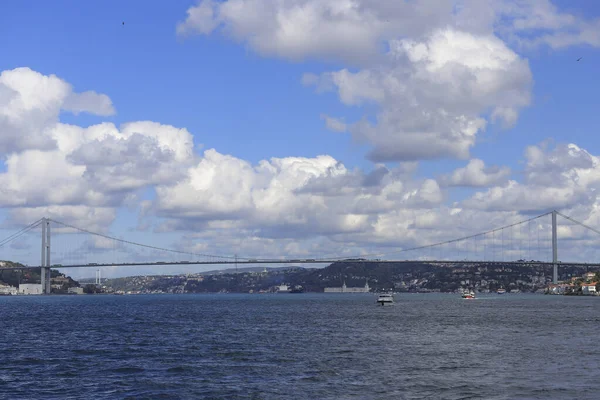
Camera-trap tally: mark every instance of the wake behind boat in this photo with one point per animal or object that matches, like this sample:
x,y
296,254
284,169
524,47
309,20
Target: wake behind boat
x,y
385,298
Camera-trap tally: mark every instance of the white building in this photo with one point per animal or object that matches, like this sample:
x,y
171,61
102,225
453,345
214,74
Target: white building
x,y
588,288
283,288
30,288
8,290
588,276
345,289
75,290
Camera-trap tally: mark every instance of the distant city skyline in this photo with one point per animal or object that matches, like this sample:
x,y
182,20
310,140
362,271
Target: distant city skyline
x,y
304,127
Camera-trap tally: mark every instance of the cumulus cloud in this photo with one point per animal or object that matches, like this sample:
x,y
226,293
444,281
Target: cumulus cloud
x,y
30,104
97,166
202,18
563,177
300,28
90,101
444,75
434,94
476,174
295,205
56,168
289,197
354,30
438,71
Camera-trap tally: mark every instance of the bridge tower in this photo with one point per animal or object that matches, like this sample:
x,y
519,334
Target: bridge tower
x,y
554,249
45,264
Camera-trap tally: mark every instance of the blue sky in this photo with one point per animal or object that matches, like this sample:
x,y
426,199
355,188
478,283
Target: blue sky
x,y
240,94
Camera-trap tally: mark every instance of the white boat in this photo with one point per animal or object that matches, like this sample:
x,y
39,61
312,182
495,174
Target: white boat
x,y
501,291
385,298
468,294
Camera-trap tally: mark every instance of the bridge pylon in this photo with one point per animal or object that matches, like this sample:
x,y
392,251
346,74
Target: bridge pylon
x,y
45,262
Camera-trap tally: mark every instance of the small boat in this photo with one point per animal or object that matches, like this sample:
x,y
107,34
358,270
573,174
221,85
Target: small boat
x,y
501,291
468,294
385,298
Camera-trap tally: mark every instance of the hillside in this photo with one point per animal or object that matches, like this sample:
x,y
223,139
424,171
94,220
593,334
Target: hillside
x,y
16,277
409,277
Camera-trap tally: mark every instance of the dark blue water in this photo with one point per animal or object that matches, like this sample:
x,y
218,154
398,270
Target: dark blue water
x,y
303,346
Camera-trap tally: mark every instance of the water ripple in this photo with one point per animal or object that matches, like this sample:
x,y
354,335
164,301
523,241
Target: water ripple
x,y
297,346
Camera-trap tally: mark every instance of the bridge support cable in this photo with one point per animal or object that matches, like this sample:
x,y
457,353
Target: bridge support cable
x,y
20,233
113,247
452,246
578,223
468,248
581,224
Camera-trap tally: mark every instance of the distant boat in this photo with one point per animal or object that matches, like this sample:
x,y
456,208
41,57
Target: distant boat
x,y
501,291
468,294
385,298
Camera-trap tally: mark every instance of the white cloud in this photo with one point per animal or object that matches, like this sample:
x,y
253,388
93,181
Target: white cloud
x,y
334,124
562,178
315,207
476,174
288,197
434,94
428,76
201,19
90,101
295,205
68,170
437,70
299,28
30,104
540,22
353,30
97,166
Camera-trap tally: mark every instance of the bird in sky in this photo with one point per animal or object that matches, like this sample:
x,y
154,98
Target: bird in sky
x,y
124,24
577,59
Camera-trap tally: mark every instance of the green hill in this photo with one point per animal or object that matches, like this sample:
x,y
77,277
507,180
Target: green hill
x,y
14,277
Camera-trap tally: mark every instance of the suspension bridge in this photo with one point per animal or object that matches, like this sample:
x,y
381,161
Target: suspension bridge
x,y
533,241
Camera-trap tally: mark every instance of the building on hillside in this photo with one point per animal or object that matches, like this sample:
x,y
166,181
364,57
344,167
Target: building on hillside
x,y
283,289
345,289
7,290
75,290
560,288
60,280
588,276
589,288
30,288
